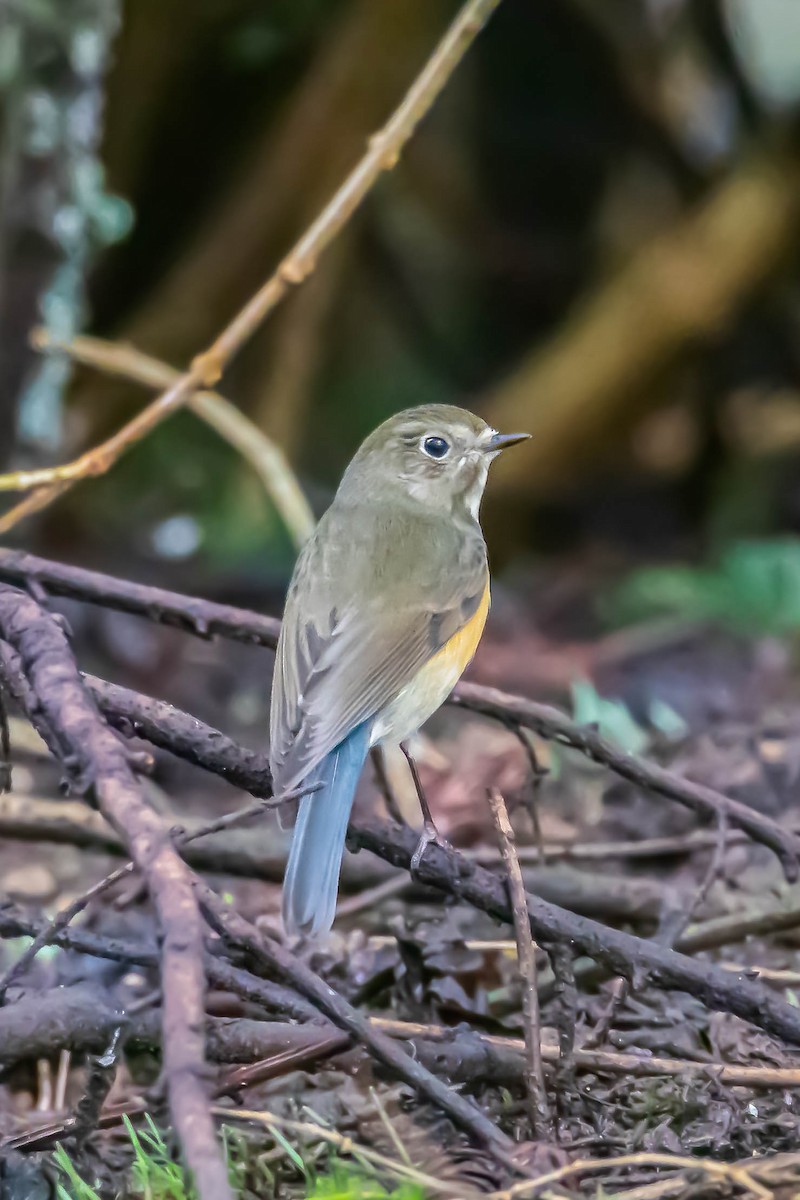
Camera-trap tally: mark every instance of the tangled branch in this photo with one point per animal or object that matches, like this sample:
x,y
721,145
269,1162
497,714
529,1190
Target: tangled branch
x,y
97,763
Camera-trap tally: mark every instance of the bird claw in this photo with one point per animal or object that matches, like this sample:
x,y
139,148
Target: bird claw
x,y
430,836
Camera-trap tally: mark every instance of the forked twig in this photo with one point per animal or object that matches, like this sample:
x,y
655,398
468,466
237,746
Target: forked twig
x,y
539,1109
96,759
382,154
264,456
49,933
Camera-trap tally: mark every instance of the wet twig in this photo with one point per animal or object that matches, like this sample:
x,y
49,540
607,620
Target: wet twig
x,y
100,1074
203,618
538,1107
618,952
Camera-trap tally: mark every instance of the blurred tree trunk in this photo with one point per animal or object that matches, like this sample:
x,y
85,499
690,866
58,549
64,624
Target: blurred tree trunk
x,y
53,209
580,393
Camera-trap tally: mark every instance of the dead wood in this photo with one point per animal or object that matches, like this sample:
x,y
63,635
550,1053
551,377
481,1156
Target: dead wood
x,y
96,761
204,618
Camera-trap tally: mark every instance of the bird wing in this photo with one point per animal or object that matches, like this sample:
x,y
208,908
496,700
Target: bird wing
x,y
342,658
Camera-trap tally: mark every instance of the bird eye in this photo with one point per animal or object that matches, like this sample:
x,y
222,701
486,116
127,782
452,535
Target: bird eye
x,y
435,447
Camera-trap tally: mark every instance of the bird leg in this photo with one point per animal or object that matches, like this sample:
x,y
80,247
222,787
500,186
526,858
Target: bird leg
x,y
430,834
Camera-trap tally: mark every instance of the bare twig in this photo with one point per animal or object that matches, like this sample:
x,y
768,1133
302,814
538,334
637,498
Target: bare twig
x,y
671,925
446,869
264,456
619,952
728,1172
675,925
65,916
345,1146
553,725
385,788
566,1006
539,1109
84,1026
511,1052
204,618
238,932
96,759
383,152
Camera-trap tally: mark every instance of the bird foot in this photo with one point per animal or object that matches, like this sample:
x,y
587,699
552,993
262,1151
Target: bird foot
x,y
430,836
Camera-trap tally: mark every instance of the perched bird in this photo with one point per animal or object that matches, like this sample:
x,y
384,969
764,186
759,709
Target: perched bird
x,y
385,609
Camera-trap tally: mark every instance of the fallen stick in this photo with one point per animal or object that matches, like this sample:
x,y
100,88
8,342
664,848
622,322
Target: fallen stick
x,y
538,1106
275,959
96,760
204,619
555,726
621,953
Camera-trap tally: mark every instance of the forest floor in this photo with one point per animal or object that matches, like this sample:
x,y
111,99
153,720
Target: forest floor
x,y
641,1072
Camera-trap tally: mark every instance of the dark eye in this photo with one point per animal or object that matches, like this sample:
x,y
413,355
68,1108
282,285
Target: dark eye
x,y
436,447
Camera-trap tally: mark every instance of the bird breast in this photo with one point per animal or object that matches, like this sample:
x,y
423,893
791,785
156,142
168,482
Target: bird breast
x,y
433,683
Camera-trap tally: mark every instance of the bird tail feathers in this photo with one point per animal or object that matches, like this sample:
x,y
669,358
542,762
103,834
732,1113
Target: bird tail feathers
x,y
311,883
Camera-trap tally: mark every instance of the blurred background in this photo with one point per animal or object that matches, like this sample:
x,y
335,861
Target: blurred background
x,y
593,236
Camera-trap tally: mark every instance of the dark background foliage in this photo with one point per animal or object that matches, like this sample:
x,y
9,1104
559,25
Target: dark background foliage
x,y
158,159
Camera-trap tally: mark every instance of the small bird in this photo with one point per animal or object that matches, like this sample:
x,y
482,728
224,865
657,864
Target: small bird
x,y
384,611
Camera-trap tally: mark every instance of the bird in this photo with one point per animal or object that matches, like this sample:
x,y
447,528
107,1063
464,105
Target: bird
x,y
385,608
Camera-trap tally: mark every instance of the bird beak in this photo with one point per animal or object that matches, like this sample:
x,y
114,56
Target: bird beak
x,y
501,441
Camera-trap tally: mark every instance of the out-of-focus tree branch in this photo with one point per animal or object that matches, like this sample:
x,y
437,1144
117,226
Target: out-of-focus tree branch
x,y
264,456
680,290
382,154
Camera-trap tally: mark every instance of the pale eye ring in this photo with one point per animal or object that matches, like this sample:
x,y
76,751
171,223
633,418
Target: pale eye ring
x,y
435,446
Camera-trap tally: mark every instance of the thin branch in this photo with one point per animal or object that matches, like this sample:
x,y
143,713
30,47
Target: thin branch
x,y
728,1172
95,758
65,916
615,1062
382,154
539,1109
276,960
447,1048
344,1146
621,953
556,726
451,872
264,456
204,618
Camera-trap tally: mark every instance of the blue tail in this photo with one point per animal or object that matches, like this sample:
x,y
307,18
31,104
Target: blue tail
x,y
311,883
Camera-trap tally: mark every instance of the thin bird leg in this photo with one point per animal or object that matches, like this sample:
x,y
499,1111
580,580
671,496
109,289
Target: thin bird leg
x,y
429,831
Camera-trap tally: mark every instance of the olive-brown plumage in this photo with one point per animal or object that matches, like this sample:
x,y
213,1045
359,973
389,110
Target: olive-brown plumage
x,y
384,611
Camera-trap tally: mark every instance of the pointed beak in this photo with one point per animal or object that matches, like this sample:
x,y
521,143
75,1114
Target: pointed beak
x,y
501,441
